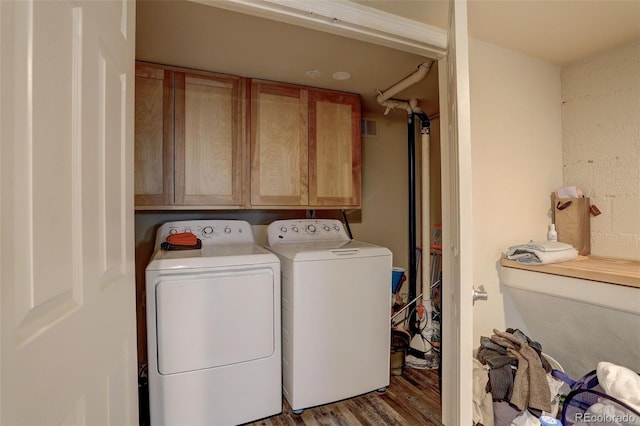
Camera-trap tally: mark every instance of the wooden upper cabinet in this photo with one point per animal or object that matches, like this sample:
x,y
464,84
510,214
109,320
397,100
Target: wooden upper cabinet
x,y
334,149
153,158
305,147
208,137
189,138
190,143
279,145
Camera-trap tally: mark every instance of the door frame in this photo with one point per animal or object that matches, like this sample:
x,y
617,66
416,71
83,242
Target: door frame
x,y
363,23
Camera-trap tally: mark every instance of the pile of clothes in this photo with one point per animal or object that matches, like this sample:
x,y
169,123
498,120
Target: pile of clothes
x,y
621,383
512,381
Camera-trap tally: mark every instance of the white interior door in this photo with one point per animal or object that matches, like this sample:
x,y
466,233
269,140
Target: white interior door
x,y
66,210
457,274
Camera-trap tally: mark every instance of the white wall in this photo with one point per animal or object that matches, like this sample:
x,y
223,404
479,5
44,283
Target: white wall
x,y
591,321
384,188
516,137
601,151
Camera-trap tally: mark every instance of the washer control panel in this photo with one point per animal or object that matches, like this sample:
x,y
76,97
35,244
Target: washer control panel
x,y
300,230
209,231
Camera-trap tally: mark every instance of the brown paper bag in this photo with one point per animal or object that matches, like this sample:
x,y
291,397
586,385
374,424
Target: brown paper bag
x,y
573,223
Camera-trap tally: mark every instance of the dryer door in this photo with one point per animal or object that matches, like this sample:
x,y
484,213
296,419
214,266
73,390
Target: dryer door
x,y
214,319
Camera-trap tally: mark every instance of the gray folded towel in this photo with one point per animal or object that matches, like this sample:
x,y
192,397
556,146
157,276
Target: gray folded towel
x,y
542,252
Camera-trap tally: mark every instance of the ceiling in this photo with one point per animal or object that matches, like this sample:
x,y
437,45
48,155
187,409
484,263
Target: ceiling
x,y
556,31
194,35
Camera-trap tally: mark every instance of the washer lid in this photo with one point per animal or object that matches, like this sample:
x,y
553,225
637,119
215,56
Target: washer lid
x,y
328,250
211,256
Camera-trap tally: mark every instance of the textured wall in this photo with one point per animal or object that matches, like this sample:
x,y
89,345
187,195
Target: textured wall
x,y
601,145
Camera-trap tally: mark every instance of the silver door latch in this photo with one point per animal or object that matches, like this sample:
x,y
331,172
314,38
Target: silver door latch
x,y
479,294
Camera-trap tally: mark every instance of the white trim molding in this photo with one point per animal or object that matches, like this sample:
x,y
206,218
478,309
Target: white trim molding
x,y
349,19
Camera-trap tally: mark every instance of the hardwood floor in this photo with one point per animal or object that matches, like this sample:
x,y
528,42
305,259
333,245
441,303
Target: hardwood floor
x,y
411,399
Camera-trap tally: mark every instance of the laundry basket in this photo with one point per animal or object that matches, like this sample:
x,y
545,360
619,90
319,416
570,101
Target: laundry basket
x,y
555,366
589,406
587,403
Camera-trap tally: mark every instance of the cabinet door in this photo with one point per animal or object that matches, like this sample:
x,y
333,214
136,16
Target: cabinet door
x,y
334,149
153,160
209,140
279,145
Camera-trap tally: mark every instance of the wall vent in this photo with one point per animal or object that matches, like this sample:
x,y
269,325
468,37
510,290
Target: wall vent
x,y
369,128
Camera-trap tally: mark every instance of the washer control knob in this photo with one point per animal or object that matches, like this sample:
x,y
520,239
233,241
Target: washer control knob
x,y
227,230
311,229
207,230
327,228
283,229
336,228
294,229
173,231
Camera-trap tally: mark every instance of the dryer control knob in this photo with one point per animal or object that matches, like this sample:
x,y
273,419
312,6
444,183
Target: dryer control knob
x,y
283,229
207,230
326,228
294,229
227,230
311,229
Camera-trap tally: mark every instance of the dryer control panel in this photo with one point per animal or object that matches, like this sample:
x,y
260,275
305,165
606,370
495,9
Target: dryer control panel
x,y
304,230
209,231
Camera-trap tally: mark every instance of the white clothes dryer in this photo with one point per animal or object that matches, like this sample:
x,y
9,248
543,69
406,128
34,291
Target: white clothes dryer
x,y
336,302
213,327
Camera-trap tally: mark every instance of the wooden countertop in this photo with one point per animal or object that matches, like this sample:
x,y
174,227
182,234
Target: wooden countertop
x,y
594,268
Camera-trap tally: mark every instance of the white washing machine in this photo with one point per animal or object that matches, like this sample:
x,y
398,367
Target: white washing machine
x,y
335,312
213,327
